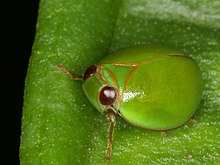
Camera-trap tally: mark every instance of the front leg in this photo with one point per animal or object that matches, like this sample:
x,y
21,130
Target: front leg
x,y
71,75
112,123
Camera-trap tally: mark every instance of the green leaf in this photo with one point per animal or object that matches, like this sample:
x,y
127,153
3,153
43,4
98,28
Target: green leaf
x,y
59,125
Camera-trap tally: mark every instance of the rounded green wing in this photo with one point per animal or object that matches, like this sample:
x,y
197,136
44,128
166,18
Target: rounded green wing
x,y
162,94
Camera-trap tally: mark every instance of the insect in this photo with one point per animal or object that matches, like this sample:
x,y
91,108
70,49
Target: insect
x,y
153,88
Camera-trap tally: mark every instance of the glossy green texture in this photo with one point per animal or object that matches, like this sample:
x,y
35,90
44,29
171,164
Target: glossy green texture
x,y
60,126
158,88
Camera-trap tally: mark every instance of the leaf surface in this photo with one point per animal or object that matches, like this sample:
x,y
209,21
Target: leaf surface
x,y
60,126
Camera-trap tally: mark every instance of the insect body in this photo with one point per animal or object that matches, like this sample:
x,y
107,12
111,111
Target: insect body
x,y
152,88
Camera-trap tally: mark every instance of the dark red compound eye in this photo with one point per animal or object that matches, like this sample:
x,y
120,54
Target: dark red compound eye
x,y
90,71
107,95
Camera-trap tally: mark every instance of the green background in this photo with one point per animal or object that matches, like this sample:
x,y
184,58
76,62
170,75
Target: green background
x,y
59,125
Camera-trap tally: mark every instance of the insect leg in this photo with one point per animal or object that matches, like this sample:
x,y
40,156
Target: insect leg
x,y
164,133
112,123
192,120
65,71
